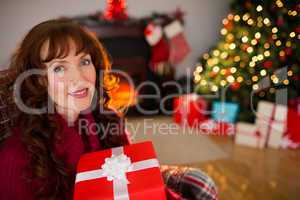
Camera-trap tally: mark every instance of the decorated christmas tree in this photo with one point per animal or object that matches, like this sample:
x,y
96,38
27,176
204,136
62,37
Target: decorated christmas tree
x,y
259,39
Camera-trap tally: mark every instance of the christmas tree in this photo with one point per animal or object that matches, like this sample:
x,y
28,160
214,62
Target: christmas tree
x,y
258,39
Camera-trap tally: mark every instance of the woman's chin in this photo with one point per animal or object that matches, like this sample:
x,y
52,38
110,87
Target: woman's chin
x,y
81,104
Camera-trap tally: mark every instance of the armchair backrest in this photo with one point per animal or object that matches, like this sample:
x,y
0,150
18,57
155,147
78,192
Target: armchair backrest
x,y
8,108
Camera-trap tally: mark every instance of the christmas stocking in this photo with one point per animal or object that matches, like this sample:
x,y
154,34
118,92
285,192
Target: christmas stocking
x,y
160,47
179,47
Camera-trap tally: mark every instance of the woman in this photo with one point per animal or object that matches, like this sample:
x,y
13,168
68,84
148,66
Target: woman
x,y
58,84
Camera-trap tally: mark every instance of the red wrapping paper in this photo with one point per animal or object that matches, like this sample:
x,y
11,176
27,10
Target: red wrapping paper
x,y
189,110
144,184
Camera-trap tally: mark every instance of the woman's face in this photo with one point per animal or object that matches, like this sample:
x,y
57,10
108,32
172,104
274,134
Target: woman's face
x,y
71,80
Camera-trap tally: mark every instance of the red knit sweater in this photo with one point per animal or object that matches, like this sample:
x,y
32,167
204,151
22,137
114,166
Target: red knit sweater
x,y
14,159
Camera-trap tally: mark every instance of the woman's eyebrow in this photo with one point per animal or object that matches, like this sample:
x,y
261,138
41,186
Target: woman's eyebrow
x,y
83,55
57,61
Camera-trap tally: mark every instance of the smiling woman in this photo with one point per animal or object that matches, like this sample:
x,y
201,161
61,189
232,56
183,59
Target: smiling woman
x,y
39,158
71,81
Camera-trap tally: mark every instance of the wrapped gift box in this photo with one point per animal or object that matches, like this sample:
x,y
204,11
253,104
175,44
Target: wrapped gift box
x,y
129,172
271,122
292,136
224,111
247,135
189,110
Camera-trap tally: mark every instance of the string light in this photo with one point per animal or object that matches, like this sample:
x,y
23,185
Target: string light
x,y
233,70
279,3
266,45
199,69
288,44
236,18
290,73
292,34
216,52
230,37
292,13
203,82
257,35
266,21
260,57
254,59
281,53
274,37
223,72
224,31
224,55
263,72
255,87
254,78
197,78
223,82
254,42
246,16
230,16
206,56
214,88
232,46
286,82
250,22
240,79
267,53
225,21
250,49
216,69
237,58
259,8
230,79
244,39
274,30
275,80
252,64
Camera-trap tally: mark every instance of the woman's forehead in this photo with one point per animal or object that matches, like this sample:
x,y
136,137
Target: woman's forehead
x,y
61,51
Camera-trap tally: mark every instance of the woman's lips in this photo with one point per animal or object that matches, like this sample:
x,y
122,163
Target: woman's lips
x,y
79,93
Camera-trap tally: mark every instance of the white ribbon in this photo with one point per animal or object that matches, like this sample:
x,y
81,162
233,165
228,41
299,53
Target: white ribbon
x,y
120,164
185,106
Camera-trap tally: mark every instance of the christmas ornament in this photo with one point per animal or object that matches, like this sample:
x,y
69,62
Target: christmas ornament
x,y
115,10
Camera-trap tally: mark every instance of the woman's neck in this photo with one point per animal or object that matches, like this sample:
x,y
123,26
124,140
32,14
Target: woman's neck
x,y
69,115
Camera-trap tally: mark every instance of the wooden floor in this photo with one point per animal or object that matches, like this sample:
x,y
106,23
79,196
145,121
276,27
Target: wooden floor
x,y
250,174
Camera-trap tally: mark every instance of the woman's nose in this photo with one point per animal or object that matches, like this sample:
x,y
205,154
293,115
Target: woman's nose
x,y
75,74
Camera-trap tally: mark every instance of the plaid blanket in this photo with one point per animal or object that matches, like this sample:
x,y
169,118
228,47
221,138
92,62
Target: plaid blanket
x,y
189,183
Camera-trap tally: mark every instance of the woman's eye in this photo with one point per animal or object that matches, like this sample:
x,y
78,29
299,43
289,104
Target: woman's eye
x,y
58,69
86,62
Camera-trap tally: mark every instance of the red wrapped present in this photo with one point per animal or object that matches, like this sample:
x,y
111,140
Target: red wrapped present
x,y
295,104
247,135
129,172
292,137
189,110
